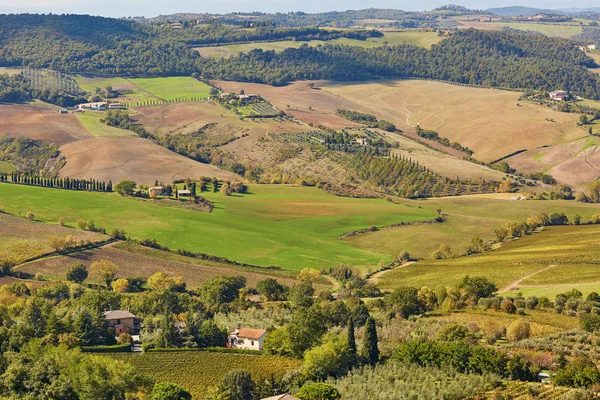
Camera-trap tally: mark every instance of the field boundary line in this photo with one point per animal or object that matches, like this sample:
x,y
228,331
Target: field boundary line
x,y
513,284
374,279
375,228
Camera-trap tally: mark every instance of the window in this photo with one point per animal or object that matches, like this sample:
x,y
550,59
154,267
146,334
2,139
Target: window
x,y
118,322
252,343
240,341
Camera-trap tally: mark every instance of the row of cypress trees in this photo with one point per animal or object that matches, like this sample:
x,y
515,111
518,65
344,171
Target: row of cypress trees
x,y
91,185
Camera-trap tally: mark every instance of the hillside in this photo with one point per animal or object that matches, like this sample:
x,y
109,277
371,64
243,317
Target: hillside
x,y
516,11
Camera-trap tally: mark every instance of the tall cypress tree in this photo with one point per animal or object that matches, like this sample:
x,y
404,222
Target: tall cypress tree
x,y
370,350
351,341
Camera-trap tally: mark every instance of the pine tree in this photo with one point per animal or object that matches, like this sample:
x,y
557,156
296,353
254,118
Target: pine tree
x,y
370,350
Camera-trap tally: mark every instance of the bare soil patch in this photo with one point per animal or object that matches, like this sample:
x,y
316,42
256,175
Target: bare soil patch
x,y
40,123
136,159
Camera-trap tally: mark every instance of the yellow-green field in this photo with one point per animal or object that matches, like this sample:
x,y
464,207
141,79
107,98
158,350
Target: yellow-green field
x,y
10,71
7,167
197,371
560,30
90,120
416,38
466,217
562,256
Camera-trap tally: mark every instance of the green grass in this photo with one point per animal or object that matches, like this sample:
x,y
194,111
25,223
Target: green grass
x,y
553,290
560,30
90,84
173,88
467,217
197,371
91,122
416,38
291,227
7,167
574,249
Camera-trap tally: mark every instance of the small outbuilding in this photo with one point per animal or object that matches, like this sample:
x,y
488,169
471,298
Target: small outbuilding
x,y
184,193
155,191
246,338
559,95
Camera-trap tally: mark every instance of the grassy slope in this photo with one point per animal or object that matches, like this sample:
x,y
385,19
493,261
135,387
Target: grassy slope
x,y
21,239
173,88
7,167
292,227
91,122
561,30
417,38
572,248
196,371
467,217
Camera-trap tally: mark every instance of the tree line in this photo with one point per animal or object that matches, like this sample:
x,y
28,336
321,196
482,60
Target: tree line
x,y
91,185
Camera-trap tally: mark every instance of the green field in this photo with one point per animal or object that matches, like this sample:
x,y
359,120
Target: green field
x,y
466,217
197,371
560,30
10,71
7,167
556,256
149,89
416,38
91,122
173,88
291,227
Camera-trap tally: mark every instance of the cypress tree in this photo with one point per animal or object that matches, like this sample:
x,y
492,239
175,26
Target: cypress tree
x,y
351,341
370,349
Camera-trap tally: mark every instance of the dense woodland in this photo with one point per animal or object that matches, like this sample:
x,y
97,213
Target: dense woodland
x,y
97,46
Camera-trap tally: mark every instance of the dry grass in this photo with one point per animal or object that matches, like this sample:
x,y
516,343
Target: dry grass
x,y
485,120
21,239
575,163
134,260
40,122
136,159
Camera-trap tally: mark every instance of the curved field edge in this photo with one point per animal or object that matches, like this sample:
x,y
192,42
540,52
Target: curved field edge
x,y
287,226
573,246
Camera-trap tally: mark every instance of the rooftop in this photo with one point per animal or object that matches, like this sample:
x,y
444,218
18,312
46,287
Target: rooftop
x,y
118,314
249,333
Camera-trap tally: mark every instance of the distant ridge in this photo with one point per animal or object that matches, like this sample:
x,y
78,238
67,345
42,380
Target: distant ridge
x,y
517,11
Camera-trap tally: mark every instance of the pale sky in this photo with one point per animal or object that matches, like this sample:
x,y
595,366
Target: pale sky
x,y
150,8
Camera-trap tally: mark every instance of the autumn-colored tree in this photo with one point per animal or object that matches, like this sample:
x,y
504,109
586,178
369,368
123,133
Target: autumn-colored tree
x,y
120,285
105,270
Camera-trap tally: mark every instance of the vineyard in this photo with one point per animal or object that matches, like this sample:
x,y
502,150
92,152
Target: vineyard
x,y
198,370
52,80
524,391
258,110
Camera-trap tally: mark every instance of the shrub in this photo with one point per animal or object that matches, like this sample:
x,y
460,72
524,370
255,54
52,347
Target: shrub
x,y
77,273
518,330
590,322
169,391
318,391
125,338
508,307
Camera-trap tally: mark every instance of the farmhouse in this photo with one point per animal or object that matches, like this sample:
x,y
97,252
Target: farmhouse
x,y
245,338
100,106
362,141
559,95
122,321
155,191
281,397
184,193
591,46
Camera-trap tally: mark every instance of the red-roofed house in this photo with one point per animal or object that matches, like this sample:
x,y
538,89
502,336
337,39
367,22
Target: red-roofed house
x,y
245,338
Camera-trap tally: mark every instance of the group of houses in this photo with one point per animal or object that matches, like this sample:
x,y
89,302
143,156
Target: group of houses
x,y
588,46
244,98
123,321
99,106
559,95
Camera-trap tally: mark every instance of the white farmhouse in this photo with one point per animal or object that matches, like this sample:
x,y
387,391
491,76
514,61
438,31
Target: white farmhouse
x,y
245,338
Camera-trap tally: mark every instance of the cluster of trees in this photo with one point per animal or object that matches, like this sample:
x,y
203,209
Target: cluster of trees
x,y
31,156
17,89
366,119
403,177
433,135
121,47
519,229
121,119
60,183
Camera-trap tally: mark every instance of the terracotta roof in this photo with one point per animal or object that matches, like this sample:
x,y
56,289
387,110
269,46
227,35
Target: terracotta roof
x,y
249,333
281,397
118,314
